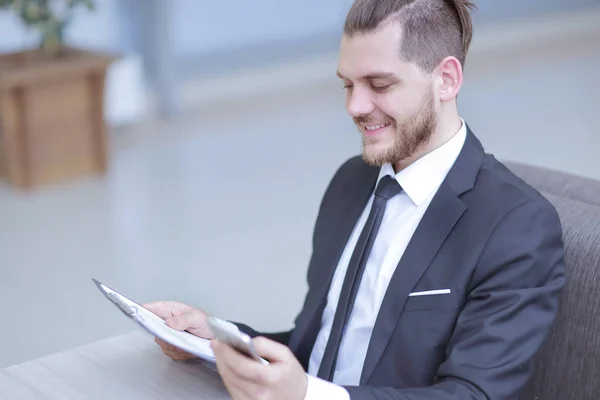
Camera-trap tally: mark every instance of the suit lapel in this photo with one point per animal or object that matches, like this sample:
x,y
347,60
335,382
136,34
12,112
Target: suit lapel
x,y
443,213
352,200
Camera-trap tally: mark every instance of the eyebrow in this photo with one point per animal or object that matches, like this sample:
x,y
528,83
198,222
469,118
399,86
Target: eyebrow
x,y
374,75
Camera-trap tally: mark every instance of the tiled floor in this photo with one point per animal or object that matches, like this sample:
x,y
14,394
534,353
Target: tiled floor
x,y
216,209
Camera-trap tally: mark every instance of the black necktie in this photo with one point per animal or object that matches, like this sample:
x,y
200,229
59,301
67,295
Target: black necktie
x,y
387,188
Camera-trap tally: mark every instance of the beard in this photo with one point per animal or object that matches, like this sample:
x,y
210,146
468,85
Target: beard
x,y
410,135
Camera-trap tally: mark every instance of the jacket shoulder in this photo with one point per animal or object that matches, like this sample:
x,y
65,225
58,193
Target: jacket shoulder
x,y
498,188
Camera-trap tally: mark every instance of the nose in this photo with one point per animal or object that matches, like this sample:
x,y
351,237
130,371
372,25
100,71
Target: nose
x,y
359,102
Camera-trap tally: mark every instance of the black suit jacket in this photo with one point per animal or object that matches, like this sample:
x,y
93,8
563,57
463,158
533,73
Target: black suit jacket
x,y
487,236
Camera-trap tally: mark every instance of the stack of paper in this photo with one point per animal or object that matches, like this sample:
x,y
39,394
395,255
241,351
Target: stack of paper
x,y
157,327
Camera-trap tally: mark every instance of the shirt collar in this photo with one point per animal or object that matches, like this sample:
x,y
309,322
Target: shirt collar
x,y
425,175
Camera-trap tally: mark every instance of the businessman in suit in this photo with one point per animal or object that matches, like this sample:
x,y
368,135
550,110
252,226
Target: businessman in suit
x,y
435,272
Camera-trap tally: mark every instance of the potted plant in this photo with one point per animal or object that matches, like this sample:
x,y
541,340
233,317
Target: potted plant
x,y
52,124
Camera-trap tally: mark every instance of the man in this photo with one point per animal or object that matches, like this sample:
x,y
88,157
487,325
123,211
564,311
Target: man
x,y
435,272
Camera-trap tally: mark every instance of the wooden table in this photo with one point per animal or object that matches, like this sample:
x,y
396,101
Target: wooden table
x,y
124,367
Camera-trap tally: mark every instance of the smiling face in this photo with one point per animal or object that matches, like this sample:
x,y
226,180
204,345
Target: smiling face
x,y
391,101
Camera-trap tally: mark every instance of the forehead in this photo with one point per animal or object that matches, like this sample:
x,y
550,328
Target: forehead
x,y
364,53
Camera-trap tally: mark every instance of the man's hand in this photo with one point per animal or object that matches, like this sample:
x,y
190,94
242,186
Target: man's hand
x,y
246,379
181,317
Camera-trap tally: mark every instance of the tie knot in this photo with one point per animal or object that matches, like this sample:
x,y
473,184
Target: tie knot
x,y
388,187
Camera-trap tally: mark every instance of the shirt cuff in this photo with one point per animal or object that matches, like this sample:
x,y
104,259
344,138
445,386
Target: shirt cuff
x,y
321,389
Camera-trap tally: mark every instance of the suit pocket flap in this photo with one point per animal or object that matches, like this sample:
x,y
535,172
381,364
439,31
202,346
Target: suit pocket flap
x,y
431,302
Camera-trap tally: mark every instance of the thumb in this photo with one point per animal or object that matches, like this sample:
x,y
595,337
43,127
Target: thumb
x,y
188,320
271,350
193,321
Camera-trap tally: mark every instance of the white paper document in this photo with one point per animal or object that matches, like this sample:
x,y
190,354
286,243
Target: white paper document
x,y
157,327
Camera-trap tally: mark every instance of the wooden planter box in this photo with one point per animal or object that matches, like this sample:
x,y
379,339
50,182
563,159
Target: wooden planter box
x,y
52,126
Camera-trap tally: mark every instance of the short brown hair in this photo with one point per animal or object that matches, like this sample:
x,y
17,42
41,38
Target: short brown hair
x,y
432,29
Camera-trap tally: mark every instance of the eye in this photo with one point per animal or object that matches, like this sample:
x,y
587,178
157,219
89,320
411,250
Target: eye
x,y
347,86
380,88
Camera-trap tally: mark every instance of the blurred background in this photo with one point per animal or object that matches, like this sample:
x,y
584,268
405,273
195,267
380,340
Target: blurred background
x,y
180,150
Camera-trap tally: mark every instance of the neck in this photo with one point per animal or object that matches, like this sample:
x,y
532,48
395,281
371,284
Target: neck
x,y
448,125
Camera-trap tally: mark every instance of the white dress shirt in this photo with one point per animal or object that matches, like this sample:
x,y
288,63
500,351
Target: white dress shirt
x,y
403,213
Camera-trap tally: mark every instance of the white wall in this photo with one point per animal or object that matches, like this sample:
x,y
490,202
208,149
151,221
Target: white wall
x,y
12,35
490,11
207,26
202,26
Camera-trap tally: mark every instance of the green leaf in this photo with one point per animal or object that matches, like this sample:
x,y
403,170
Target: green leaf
x,y
89,4
39,15
34,12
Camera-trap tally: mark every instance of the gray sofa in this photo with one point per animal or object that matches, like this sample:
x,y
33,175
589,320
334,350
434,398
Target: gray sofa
x,y
568,365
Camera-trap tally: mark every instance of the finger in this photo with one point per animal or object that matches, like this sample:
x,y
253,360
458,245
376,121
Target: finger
x,y
232,386
178,354
161,342
182,321
173,351
271,350
164,308
157,307
229,377
237,387
240,365
193,321
166,345
242,392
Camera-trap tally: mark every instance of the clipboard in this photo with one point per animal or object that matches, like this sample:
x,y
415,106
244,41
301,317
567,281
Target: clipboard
x,y
156,326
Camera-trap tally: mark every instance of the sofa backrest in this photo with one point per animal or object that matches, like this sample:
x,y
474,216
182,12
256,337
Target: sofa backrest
x,y
568,364
558,183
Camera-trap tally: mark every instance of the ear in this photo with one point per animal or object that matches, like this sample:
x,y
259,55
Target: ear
x,y
450,78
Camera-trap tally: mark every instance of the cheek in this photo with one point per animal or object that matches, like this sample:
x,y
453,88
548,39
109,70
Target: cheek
x,y
392,104
398,104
